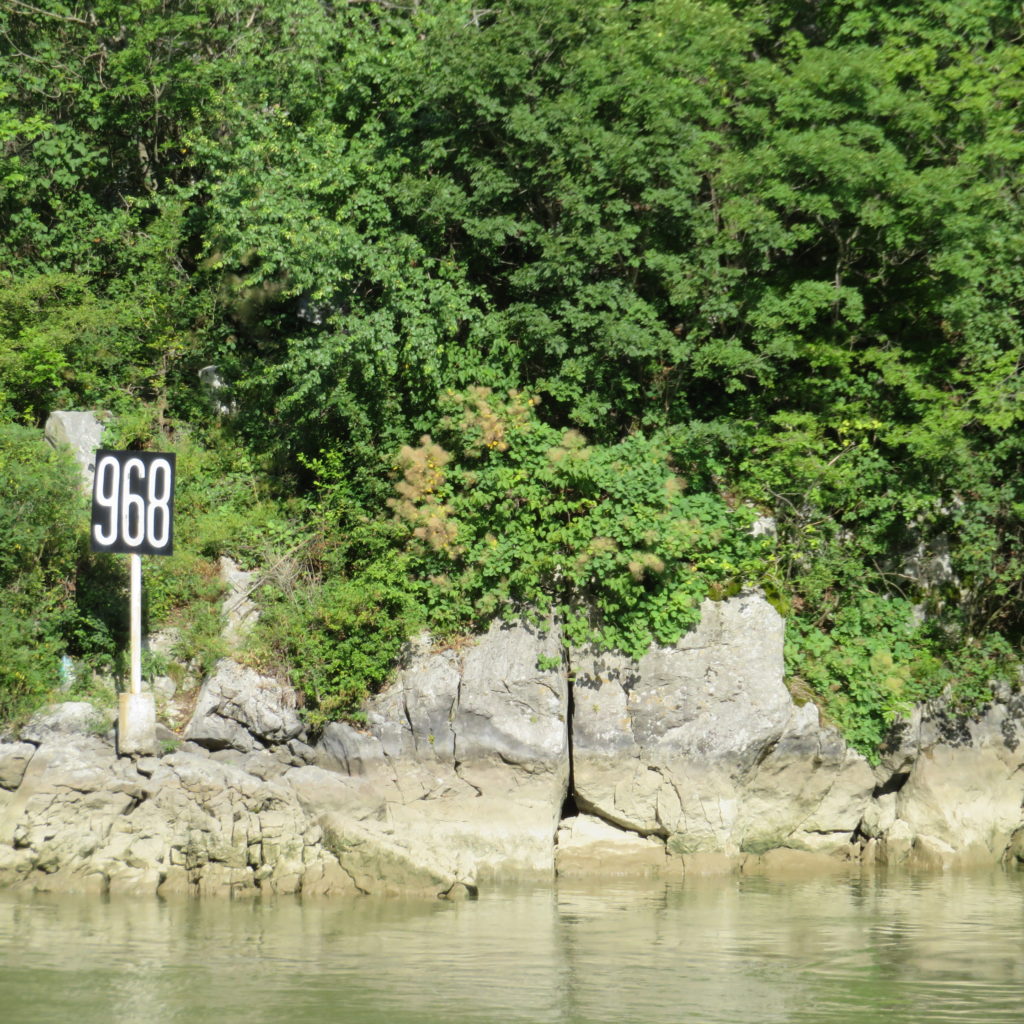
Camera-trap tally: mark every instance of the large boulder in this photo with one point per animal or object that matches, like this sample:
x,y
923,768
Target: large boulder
x,y
463,767
703,745
82,433
953,786
237,707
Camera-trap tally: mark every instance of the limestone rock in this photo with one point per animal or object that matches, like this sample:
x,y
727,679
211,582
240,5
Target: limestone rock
x,y
900,748
82,432
703,745
350,751
14,759
380,846
508,709
239,708
462,769
700,745
69,719
961,790
693,760
414,717
240,611
84,820
1013,855
590,847
716,696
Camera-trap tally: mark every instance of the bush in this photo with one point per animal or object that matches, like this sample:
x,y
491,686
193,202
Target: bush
x,y
334,626
514,514
41,521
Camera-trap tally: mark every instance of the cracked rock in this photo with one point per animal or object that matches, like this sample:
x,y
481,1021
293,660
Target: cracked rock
x,y
702,743
239,708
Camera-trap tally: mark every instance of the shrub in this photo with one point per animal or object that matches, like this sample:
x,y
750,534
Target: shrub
x,y
41,521
510,513
336,628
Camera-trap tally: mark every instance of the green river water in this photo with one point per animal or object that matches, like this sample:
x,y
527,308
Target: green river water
x,y
742,950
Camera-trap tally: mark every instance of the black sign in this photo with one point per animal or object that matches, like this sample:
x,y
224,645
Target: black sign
x,y
133,503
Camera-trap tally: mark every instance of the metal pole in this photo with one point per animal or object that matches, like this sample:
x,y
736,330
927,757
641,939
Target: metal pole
x,y
135,623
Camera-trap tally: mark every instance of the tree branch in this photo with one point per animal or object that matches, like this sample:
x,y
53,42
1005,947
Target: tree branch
x,y
88,22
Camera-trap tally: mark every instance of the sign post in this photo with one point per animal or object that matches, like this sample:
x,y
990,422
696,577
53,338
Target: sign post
x,y
133,513
135,623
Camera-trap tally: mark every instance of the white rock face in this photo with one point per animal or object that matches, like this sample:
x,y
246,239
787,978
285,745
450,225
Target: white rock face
x,y
240,611
961,787
239,708
463,768
82,432
693,760
696,749
84,820
703,745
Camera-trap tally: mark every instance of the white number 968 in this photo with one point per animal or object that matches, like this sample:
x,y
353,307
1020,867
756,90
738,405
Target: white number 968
x,y
132,497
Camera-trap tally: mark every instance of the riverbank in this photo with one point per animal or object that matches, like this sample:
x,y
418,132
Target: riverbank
x,y
478,767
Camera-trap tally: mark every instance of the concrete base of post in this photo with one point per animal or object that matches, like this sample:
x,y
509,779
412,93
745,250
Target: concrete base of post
x,y
136,724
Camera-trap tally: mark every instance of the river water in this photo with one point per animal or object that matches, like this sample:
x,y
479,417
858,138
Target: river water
x,y
739,949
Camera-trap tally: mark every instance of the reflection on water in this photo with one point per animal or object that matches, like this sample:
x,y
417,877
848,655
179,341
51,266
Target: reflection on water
x,y
725,950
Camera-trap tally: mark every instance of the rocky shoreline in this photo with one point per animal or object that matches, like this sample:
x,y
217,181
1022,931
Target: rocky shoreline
x,y
476,767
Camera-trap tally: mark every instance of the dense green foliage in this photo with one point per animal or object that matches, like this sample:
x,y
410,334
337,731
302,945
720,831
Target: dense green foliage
x,y
41,534
520,514
541,306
